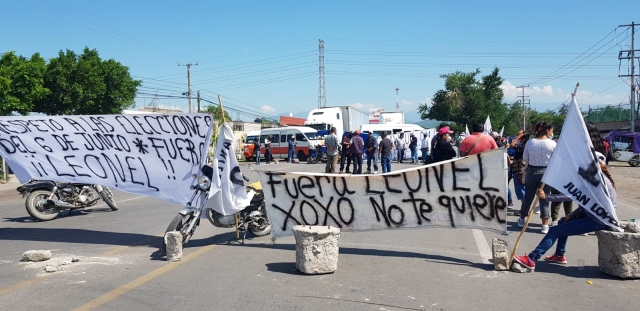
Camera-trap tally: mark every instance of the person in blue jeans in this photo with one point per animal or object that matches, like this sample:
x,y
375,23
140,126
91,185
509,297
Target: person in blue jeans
x,y
292,148
578,222
256,150
384,153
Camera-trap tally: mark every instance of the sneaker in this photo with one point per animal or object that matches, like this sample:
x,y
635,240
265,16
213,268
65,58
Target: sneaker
x,y
520,222
556,259
510,206
348,171
368,172
375,172
545,229
554,223
525,261
537,210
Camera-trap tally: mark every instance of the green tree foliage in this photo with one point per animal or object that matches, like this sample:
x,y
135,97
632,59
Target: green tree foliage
x,y
466,100
86,84
217,114
21,83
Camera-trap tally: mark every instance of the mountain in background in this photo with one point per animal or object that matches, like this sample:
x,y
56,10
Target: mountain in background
x,y
414,117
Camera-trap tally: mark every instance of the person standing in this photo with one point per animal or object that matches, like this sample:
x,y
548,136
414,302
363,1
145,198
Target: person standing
x,y
345,154
400,144
357,148
384,153
267,149
332,151
443,150
292,148
425,148
413,146
372,153
256,150
477,142
537,153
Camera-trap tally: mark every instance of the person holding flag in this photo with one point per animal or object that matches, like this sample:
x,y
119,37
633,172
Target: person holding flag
x,y
576,169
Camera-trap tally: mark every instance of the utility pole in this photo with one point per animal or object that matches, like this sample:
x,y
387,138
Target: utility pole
x,y
397,104
322,91
198,100
188,93
524,100
630,55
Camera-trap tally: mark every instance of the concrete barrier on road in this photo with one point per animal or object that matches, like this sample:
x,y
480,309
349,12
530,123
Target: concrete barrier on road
x,y
316,249
173,245
619,252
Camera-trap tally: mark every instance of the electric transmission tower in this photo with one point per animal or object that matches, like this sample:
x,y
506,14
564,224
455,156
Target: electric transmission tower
x,y
188,92
524,100
322,91
630,55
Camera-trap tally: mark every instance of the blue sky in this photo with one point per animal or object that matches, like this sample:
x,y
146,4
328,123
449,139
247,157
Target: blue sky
x,y
262,56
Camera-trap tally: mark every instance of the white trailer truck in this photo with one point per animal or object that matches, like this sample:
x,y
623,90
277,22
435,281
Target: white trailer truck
x,y
344,118
389,117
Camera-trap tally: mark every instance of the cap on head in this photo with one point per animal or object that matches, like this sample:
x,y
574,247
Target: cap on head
x,y
357,132
445,130
494,134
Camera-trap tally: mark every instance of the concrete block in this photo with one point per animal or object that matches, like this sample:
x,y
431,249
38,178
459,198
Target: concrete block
x,y
173,245
500,255
36,255
619,252
316,249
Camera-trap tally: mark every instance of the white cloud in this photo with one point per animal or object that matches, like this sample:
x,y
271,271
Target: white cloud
x,y
267,109
405,103
540,96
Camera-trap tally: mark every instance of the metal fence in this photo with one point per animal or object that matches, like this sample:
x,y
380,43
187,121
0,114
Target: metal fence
x,y
609,114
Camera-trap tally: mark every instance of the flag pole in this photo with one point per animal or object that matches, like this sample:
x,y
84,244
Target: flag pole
x,y
235,216
526,223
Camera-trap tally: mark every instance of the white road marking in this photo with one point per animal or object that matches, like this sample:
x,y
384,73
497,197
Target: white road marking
x,y
483,246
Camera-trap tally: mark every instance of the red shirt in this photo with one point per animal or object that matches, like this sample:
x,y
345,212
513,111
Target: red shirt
x,y
485,142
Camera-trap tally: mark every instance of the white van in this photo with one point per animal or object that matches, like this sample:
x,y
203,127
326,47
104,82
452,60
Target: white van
x,y
280,141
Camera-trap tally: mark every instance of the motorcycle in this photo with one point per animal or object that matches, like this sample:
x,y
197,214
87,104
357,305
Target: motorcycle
x,y
46,198
317,153
252,218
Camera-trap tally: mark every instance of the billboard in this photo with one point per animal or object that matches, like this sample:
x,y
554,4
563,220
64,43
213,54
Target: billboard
x,y
374,115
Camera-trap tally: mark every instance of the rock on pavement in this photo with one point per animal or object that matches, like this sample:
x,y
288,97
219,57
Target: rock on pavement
x,y
619,252
173,245
36,255
517,267
500,255
316,249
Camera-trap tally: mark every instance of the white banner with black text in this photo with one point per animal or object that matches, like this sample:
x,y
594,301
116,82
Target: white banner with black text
x,y
462,193
152,155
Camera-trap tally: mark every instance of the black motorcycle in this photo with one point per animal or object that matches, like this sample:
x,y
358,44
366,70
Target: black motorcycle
x,y
252,218
46,198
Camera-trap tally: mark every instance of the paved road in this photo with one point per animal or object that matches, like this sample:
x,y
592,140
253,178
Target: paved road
x,y
121,267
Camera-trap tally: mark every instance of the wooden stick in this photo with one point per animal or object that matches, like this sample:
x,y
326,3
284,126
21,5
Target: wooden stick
x,y
526,223
221,108
237,231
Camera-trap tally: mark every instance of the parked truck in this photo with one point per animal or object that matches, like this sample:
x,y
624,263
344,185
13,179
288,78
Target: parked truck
x,y
343,118
388,117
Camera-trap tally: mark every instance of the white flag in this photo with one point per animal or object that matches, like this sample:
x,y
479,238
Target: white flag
x,y
227,195
574,170
487,126
502,131
466,131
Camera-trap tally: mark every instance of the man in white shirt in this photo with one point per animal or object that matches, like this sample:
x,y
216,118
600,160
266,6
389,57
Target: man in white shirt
x,y
426,141
400,145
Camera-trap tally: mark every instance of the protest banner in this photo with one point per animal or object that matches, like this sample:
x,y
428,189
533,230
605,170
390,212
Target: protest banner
x,y
462,193
152,155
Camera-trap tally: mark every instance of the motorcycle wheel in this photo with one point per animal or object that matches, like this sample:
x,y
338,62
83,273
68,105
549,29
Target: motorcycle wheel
x,y
107,197
39,211
312,160
634,162
263,228
180,223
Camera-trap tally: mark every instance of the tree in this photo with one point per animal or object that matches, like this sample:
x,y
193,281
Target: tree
x,y
85,84
466,100
217,114
21,83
